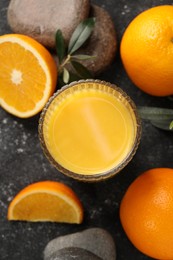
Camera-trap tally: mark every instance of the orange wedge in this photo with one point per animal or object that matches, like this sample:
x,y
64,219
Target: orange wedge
x,y
28,75
46,201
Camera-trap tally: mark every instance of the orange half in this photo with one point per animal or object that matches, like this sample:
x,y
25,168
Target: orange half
x,y
28,75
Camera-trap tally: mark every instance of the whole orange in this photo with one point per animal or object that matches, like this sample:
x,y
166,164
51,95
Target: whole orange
x,y
147,50
146,213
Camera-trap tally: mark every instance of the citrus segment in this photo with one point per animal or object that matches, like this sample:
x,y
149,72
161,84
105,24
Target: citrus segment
x,y
46,201
28,75
147,50
146,213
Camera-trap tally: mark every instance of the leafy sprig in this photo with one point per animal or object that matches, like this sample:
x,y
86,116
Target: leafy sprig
x,y
67,55
159,117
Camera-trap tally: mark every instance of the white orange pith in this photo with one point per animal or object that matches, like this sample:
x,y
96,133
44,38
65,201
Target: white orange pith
x,y
28,75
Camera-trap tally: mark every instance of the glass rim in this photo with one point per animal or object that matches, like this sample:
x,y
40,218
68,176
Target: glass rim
x,y
95,177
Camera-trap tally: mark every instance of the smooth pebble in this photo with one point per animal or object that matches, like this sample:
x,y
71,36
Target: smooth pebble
x,y
96,240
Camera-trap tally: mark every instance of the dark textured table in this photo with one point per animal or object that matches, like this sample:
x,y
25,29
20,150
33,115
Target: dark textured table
x,y
22,161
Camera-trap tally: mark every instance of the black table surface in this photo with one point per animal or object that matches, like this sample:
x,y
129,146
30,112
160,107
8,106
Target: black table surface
x,y
22,161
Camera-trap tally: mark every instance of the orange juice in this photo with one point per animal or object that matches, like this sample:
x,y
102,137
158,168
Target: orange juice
x,y
89,128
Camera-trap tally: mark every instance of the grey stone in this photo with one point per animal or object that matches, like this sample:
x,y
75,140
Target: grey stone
x,y
96,240
71,253
41,19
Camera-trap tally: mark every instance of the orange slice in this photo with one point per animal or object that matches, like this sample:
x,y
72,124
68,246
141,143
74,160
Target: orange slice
x,y
28,75
46,201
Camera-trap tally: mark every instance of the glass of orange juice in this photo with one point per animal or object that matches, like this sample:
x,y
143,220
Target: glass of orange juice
x,y
89,130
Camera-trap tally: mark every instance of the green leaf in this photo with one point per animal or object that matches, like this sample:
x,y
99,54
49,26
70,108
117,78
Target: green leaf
x,y
155,113
74,77
162,124
66,75
171,126
81,70
60,45
82,57
81,34
161,118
